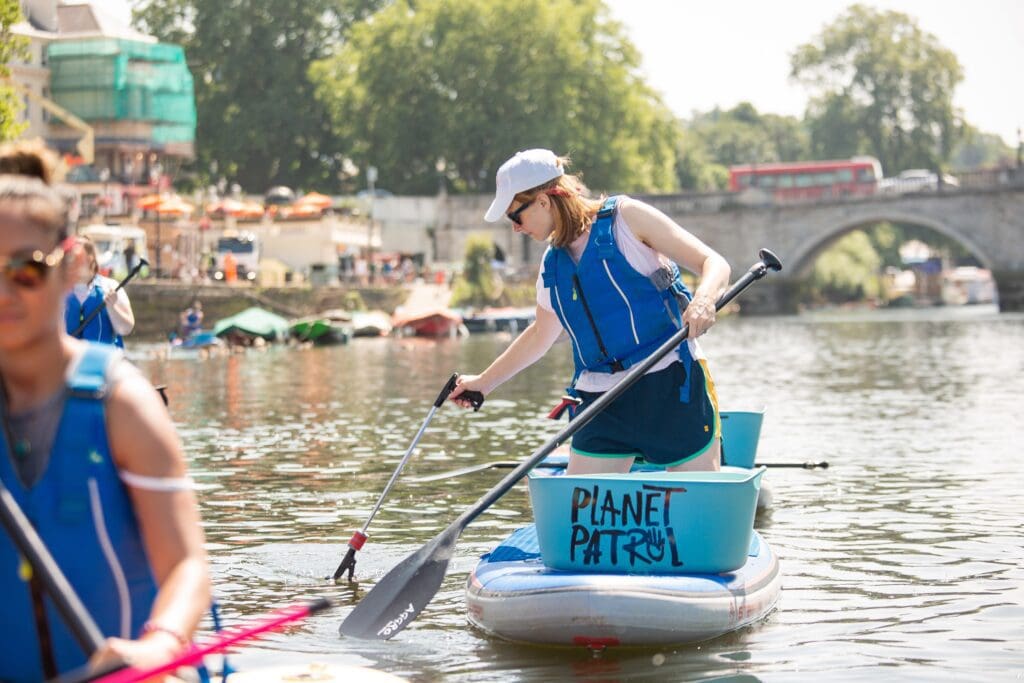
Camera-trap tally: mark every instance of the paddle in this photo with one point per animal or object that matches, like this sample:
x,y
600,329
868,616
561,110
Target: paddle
x,y
31,547
348,563
120,673
96,311
509,464
402,594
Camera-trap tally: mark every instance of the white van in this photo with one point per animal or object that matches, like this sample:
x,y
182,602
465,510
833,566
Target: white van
x,y
114,245
244,248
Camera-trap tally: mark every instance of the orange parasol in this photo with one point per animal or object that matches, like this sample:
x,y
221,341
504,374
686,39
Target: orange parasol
x,y
321,201
148,201
172,205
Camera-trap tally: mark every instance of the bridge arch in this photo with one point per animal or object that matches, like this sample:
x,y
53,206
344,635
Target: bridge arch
x,y
804,255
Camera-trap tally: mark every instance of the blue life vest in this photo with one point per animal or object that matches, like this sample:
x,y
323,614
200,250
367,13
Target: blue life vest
x,y
82,512
615,316
99,329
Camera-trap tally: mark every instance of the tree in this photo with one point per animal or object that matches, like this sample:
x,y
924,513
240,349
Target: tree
x,y
445,90
11,47
712,141
479,285
257,116
742,135
882,86
978,150
848,270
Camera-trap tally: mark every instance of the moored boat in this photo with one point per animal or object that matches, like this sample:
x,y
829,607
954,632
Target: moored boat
x,y
328,328
251,324
370,324
438,322
499,319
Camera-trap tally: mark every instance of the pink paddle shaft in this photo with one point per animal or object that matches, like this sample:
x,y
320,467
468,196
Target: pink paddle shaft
x,y
226,639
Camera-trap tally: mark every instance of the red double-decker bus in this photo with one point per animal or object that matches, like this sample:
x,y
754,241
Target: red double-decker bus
x,y
809,180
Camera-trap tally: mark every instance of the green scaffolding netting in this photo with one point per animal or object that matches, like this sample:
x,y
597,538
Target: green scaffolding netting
x,y
116,79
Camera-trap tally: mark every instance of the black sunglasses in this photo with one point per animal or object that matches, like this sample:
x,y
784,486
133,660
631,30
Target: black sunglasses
x,y
30,270
514,215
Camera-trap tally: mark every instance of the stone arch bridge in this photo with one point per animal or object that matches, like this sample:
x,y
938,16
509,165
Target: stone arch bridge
x,y
987,220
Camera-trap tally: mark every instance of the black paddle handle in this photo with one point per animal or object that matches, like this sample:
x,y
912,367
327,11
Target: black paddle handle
x,y
476,398
96,311
31,547
768,261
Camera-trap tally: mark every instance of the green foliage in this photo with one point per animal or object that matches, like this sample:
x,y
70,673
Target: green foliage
x,y
714,140
11,47
258,117
463,84
881,86
980,150
479,285
353,301
847,271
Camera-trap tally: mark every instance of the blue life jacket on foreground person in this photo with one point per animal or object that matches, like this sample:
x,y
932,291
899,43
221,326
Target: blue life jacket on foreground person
x,y
614,315
83,513
99,329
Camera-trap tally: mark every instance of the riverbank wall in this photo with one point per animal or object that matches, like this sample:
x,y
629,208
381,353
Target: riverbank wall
x,y
157,305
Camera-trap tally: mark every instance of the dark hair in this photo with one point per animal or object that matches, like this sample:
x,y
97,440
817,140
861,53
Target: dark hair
x,y
38,202
29,158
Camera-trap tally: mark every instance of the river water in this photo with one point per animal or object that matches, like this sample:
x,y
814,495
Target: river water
x,y
902,561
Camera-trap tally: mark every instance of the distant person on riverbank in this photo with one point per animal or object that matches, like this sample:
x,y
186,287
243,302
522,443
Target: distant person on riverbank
x,y
90,453
191,319
93,291
230,268
609,278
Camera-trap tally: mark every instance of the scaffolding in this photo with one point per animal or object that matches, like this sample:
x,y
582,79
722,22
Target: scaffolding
x,y
123,80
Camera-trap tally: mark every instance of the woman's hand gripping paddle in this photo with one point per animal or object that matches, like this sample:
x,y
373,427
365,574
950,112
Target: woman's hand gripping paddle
x,y
348,563
401,595
122,673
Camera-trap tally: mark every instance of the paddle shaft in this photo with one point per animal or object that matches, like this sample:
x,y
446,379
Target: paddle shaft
x,y
31,547
96,311
509,464
357,540
119,673
448,388
405,591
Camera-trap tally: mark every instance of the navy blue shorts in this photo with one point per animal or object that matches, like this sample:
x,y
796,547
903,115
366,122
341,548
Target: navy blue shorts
x,y
662,418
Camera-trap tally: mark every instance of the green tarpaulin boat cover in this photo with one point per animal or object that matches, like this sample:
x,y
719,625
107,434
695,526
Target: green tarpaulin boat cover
x,y
254,321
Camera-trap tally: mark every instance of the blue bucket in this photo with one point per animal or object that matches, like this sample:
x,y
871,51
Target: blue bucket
x,y
741,430
646,523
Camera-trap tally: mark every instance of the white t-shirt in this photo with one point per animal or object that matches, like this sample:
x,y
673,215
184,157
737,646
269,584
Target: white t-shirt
x,y
645,261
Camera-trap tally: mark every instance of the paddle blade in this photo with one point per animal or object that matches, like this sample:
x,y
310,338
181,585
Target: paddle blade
x,y
402,594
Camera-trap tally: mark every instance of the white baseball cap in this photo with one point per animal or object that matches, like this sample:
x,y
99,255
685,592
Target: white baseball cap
x,y
525,171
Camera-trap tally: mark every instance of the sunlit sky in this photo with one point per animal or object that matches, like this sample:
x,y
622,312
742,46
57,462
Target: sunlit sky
x,y
702,54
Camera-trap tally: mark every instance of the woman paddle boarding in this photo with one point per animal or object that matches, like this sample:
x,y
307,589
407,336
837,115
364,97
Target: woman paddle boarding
x,y
89,453
609,279
114,319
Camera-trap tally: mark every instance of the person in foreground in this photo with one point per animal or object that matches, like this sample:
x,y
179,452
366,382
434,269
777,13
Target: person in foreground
x,y
92,291
609,279
90,454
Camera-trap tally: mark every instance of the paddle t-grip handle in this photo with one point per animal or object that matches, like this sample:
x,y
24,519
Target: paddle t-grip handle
x,y
474,397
